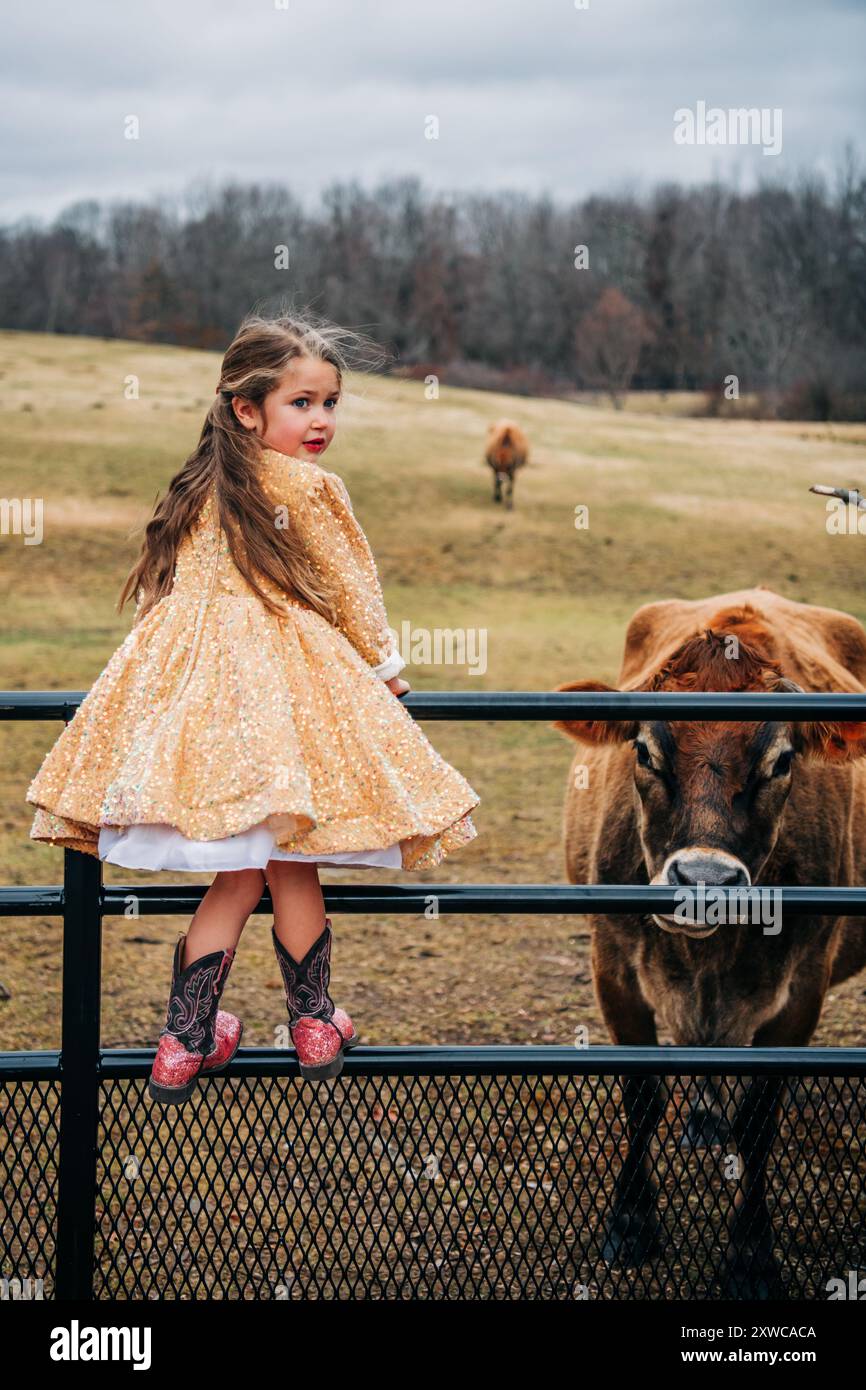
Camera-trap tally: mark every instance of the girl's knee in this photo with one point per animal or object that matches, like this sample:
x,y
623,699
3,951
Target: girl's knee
x,y
288,876
277,870
248,876
245,883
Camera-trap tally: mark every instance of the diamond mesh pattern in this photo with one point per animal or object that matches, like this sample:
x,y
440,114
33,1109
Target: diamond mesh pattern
x,y
454,1187
29,1133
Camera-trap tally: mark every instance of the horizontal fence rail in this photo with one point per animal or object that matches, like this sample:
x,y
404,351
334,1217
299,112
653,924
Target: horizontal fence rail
x,y
499,1058
445,1172
526,898
506,705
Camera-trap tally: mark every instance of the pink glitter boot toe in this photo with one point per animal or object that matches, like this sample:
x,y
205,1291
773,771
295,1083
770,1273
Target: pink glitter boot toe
x,y
228,1032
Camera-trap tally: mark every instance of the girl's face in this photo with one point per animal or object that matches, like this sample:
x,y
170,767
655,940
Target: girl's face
x,y
300,412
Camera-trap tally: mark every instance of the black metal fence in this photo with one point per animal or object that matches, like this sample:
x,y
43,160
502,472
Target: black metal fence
x,y
425,1172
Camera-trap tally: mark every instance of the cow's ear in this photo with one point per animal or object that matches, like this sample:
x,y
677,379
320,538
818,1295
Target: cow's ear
x,y
595,730
837,741
841,741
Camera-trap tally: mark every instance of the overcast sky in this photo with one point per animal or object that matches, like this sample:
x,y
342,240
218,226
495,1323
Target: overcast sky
x,y
535,95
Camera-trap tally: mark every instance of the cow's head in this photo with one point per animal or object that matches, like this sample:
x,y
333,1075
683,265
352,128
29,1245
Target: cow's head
x,y
709,795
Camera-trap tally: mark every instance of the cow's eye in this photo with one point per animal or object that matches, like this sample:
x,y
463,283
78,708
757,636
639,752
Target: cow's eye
x,y
643,754
782,765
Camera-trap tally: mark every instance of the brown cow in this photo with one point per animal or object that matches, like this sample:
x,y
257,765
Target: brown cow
x,y
507,449
723,803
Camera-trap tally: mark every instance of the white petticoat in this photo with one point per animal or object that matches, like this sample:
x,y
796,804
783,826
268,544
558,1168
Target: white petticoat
x,y
164,847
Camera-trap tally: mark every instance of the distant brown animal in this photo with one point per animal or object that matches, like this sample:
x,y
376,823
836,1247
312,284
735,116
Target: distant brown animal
x,y
507,450
684,802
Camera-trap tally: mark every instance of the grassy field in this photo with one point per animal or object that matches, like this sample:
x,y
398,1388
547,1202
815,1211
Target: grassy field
x,y
678,507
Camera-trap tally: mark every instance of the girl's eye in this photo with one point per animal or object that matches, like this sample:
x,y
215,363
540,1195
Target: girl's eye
x,y
331,401
299,399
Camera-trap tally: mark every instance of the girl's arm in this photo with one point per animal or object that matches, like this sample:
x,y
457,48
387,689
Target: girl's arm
x,y
338,547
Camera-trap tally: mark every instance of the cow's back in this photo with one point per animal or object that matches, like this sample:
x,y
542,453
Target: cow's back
x,y
819,648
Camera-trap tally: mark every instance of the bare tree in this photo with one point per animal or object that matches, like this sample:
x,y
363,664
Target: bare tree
x,y
608,343
701,282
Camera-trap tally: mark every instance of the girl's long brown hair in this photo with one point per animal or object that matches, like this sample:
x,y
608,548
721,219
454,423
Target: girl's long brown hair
x,y
227,455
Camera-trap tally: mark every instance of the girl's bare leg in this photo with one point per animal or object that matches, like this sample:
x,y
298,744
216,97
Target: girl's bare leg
x,y
299,908
222,913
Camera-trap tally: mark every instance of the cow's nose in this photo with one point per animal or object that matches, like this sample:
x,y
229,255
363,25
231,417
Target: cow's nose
x,y
706,868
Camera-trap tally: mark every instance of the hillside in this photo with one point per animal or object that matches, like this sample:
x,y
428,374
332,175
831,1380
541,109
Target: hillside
x,y
677,506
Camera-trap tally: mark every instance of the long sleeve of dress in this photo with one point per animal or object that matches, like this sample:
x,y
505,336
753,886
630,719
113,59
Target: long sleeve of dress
x,y
339,549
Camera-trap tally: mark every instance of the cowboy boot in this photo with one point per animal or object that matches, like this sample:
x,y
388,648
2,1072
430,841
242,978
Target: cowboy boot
x,y
320,1033
227,1034
198,1036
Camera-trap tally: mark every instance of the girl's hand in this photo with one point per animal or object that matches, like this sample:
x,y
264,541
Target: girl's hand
x,y
398,686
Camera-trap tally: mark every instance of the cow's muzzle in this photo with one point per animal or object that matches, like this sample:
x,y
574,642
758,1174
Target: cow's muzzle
x,y
696,871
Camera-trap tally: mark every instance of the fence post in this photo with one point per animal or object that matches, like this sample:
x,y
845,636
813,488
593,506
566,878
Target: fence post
x,y
79,1074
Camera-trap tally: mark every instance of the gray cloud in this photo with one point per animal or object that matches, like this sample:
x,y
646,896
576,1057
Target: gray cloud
x,y
536,96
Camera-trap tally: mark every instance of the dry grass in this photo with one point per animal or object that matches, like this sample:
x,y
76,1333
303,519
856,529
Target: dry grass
x,y
678,506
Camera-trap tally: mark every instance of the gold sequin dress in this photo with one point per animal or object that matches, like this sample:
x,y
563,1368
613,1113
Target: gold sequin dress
x,y
221,735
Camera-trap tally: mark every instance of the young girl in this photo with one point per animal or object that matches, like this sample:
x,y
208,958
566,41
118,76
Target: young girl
x,y
248,723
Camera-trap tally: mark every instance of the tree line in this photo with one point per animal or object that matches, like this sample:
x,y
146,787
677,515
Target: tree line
x,y
682,288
